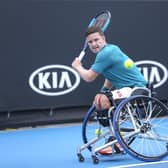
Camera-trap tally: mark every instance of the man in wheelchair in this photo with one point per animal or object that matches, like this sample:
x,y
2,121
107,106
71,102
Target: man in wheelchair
x,y
118,69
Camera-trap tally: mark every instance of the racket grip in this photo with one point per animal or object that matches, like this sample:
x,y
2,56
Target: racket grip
x,y
81,55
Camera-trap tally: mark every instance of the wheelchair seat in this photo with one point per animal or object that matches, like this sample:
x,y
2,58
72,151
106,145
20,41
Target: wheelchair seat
x,y
141,91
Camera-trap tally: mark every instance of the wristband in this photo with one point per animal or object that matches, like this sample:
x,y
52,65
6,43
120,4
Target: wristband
x,y
104,89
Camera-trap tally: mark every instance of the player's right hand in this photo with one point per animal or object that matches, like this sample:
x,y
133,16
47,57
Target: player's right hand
x,y
76,63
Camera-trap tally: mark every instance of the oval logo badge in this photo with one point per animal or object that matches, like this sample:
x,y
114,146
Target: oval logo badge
x,y
154,72
54,80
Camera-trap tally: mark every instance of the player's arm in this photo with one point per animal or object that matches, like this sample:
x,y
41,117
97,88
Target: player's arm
x,y
86,74
106,86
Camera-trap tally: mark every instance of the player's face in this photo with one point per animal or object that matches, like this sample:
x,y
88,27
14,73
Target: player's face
x,y
95,42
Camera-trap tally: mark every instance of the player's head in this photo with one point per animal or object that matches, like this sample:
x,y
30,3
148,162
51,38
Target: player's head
x,y
95,39
93,29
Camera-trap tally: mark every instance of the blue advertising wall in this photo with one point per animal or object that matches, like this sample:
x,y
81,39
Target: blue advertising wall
x,y
40,38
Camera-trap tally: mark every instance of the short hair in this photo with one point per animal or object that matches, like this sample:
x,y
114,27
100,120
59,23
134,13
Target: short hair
x,y
94,29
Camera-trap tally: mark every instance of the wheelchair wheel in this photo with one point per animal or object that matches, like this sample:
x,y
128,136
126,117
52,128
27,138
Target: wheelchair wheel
x,y
93,131
143,121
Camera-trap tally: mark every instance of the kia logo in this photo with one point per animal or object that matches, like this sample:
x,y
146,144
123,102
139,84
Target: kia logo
x,y
154,72
54,80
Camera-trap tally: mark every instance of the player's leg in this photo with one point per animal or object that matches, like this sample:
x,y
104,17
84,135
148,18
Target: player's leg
x,y
105,100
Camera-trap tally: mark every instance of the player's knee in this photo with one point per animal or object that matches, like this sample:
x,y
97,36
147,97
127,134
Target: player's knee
x,y
102,102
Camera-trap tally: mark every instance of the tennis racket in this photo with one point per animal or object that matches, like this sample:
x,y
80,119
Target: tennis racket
x,y
101,20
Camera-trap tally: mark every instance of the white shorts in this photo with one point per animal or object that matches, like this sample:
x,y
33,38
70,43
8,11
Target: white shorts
x,y
122,93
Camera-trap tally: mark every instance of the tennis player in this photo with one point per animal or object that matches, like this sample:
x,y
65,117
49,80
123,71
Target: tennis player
x,y
118,69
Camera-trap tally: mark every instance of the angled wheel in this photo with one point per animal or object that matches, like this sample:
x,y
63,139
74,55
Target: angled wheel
x,y
141,126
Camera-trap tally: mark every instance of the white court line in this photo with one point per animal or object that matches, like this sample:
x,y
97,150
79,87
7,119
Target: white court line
x,y
140,164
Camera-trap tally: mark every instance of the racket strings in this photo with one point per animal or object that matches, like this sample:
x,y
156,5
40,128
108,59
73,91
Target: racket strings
x,y
102,20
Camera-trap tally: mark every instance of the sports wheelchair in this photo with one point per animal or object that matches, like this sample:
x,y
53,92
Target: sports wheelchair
x,y
139,124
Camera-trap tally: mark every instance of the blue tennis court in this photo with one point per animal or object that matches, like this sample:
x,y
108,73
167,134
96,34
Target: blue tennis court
x,y
55,146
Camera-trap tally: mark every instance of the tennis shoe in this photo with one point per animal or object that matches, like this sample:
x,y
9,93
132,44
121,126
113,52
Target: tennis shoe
x,y
109,150
106,151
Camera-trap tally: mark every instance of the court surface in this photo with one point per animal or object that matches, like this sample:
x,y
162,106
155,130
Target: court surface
x,y
55,147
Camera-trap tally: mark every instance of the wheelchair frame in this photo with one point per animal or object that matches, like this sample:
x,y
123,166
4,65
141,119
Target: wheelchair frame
x,y
138,124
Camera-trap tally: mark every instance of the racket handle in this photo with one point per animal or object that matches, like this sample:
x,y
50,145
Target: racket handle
x,y
81,55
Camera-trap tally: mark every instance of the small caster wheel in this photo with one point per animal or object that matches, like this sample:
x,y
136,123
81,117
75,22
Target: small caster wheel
x,y
95,160
80,158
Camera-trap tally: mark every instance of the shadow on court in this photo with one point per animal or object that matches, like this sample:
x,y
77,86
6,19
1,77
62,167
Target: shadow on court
x,y
54,147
